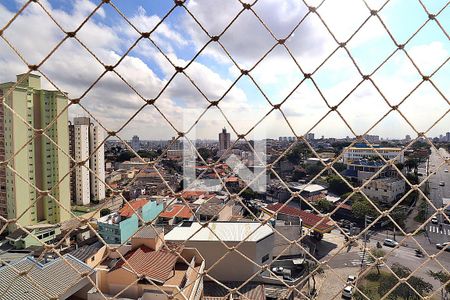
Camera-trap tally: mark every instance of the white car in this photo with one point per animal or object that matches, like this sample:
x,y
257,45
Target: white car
x,y
446,170
434,220
441,183
351,279
347,292
390,243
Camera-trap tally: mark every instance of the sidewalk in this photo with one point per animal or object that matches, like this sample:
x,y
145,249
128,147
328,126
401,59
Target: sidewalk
x,y
333,282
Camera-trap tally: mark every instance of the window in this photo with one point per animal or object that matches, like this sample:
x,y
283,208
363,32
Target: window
x,y
265,258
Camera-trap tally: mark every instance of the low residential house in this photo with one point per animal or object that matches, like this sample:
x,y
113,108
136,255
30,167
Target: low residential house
x,y
175,214
118,227
153,270
91,255
385,190
62,278
36,236
216,209
317,224
255,242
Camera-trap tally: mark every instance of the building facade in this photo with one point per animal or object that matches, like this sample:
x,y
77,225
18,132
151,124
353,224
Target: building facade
x,y
362,151
3,203
224,140
86,146
135,143
385,190
37,160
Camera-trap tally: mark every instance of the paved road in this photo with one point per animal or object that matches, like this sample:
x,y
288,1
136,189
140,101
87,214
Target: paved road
x,y
438,233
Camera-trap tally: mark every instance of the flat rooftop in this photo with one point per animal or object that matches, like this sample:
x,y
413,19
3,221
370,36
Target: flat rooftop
x,y
225,231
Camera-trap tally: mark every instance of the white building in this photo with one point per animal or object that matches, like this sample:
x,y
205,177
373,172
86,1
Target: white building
x,y
209,241
84,139
96,147
361,151
385,190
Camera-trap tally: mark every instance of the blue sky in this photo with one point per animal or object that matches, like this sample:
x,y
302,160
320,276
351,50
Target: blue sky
x,y
109,37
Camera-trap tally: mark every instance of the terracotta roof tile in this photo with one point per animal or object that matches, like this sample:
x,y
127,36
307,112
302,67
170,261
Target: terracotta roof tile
x,y
177,210
126,210
155,265
309,220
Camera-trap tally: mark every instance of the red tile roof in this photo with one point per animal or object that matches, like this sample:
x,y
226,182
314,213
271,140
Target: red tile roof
x,y
189,194
155,265
308,219
176,210
126,210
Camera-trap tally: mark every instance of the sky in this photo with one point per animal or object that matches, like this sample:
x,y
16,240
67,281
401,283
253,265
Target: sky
x,y
148,69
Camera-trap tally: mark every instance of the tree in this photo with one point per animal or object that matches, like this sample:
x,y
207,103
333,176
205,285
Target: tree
x,y
297,153
147,154
411,164
404,291
104,212
323,205
361,207
337,186
313,169
249,194
377,253
124,156
299,173
443,277
205,153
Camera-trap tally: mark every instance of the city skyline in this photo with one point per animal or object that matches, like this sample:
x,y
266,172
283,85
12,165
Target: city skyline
x,y
112,102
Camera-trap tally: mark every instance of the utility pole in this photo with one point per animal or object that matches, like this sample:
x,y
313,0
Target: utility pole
x,y
366,219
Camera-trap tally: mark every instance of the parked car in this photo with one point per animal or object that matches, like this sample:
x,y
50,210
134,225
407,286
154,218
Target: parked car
x,y
390,243
441,183
347,292
444,245
446,170
351,279
434,220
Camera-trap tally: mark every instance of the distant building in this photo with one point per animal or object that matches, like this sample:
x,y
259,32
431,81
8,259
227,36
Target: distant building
x,y
224,140
361,151
407,138
135,143
39,160
86,146
385,190
373,139
310,136
447,137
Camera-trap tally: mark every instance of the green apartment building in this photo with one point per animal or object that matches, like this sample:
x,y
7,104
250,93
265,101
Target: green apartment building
x,y
37,159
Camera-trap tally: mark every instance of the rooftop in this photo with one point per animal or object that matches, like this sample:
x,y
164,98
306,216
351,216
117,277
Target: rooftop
x,y
53,278
154,265
127,210
225,231
86,251
177,210
309,220
310,188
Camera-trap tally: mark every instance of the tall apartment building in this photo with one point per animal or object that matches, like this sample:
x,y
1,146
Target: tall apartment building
x,y
85,139
37,159
3,204
224,140
135,143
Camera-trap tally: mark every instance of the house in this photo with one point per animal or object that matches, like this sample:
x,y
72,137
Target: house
x,y
38,234
175,214
118,227
385,190
153,270
62,278
91,255
255,242
317,223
